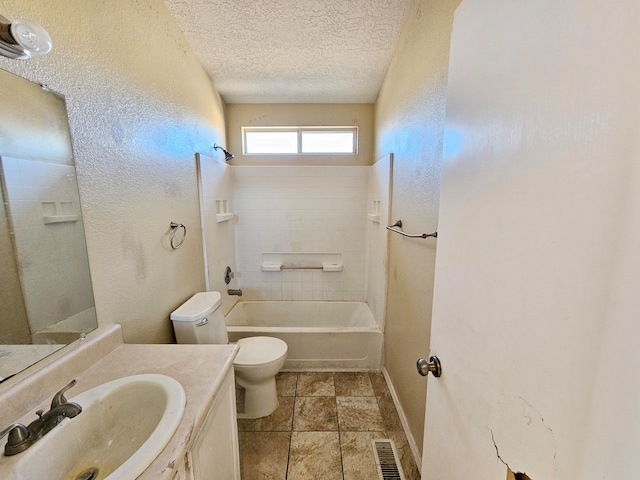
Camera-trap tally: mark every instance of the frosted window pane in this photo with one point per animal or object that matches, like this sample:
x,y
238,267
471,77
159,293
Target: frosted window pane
x,y
327,142
271,142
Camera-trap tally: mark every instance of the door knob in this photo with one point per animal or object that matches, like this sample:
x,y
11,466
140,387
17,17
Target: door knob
x,y
433,365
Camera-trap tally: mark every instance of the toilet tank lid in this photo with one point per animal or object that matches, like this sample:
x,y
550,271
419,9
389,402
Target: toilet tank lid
x,y
197,307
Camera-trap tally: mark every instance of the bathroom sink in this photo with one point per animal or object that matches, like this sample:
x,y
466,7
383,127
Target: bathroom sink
x,y
123,427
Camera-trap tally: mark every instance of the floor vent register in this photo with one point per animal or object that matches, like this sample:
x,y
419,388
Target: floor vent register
x,y
387,460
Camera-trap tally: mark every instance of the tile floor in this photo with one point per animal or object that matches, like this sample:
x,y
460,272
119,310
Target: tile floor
x,y
323,429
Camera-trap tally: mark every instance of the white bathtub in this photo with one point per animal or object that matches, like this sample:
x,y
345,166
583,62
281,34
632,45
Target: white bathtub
x,y
320,335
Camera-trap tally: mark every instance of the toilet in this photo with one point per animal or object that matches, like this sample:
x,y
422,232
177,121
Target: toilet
x,y
259,359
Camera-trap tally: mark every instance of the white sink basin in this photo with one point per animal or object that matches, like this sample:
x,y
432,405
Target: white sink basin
x,y
123,427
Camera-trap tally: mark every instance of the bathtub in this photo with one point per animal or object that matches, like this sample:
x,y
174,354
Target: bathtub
x,y
320,335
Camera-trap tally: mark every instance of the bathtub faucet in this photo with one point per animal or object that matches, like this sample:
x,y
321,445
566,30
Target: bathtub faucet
x,y
235,291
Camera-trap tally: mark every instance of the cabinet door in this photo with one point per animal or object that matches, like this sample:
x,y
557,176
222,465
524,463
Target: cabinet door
x,y
215,453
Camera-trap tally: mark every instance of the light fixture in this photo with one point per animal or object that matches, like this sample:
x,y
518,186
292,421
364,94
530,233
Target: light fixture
x,y
21,39
227,156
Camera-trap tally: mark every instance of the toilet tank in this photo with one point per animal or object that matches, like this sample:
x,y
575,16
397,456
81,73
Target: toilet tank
x,y
200,320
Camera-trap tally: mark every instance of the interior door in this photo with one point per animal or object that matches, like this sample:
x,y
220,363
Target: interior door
x,y
537,184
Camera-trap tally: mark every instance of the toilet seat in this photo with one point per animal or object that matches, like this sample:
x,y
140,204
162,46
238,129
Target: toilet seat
x,y
256,351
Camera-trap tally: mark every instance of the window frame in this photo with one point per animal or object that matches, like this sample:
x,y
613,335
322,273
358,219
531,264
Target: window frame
x,y
299,131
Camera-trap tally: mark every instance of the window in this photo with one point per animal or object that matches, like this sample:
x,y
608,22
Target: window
x,y
276,141
300,140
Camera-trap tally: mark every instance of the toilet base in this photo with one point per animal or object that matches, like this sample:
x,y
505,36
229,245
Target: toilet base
x,y
260,399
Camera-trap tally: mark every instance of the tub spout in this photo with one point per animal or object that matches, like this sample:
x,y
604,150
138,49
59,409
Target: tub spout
x,y
235,291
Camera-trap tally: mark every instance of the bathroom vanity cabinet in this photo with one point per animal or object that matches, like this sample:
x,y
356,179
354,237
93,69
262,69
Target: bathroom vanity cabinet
x,y
205,443
214,454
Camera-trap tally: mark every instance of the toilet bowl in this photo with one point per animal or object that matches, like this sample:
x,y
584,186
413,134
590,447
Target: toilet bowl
x,y
259,359
256,366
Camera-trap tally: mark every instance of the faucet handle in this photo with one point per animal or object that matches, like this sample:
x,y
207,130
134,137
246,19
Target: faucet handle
x,y
9,428
59,398
18,433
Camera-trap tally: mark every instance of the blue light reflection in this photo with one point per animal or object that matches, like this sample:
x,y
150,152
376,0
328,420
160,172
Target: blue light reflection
x,y
453,142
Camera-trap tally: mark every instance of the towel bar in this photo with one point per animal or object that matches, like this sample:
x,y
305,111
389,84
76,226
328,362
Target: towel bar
x,y
410,235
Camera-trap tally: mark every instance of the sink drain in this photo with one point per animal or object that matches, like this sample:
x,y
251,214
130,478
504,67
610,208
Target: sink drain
x,y
88,474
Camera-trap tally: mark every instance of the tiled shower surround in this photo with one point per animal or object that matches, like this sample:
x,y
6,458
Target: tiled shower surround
x,y
297,209
301,210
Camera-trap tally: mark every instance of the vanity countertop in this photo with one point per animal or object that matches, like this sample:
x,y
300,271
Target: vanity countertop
x,y
14,358
200,369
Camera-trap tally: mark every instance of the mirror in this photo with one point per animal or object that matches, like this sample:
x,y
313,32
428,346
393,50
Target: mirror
x,y
46,299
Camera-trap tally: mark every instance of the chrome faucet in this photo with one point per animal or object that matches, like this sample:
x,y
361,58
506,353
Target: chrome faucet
x,y
235,291
20,437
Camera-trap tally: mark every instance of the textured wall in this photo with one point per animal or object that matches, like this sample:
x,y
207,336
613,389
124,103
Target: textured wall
x,y
140,106
409,122
300,115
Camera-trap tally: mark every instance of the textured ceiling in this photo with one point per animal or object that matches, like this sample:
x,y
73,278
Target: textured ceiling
x,y
293,51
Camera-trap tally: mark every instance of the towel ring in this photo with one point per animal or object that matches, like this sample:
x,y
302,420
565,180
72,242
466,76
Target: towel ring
x,y
174,228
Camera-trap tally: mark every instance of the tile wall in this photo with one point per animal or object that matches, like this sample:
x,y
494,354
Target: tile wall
x,y
297,210
301,209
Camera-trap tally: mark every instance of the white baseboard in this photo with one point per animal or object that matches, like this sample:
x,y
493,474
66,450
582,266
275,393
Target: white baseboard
x,y
403,419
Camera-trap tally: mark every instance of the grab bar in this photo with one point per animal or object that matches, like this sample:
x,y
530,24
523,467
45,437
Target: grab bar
x,y
283,267
325,267
410,235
